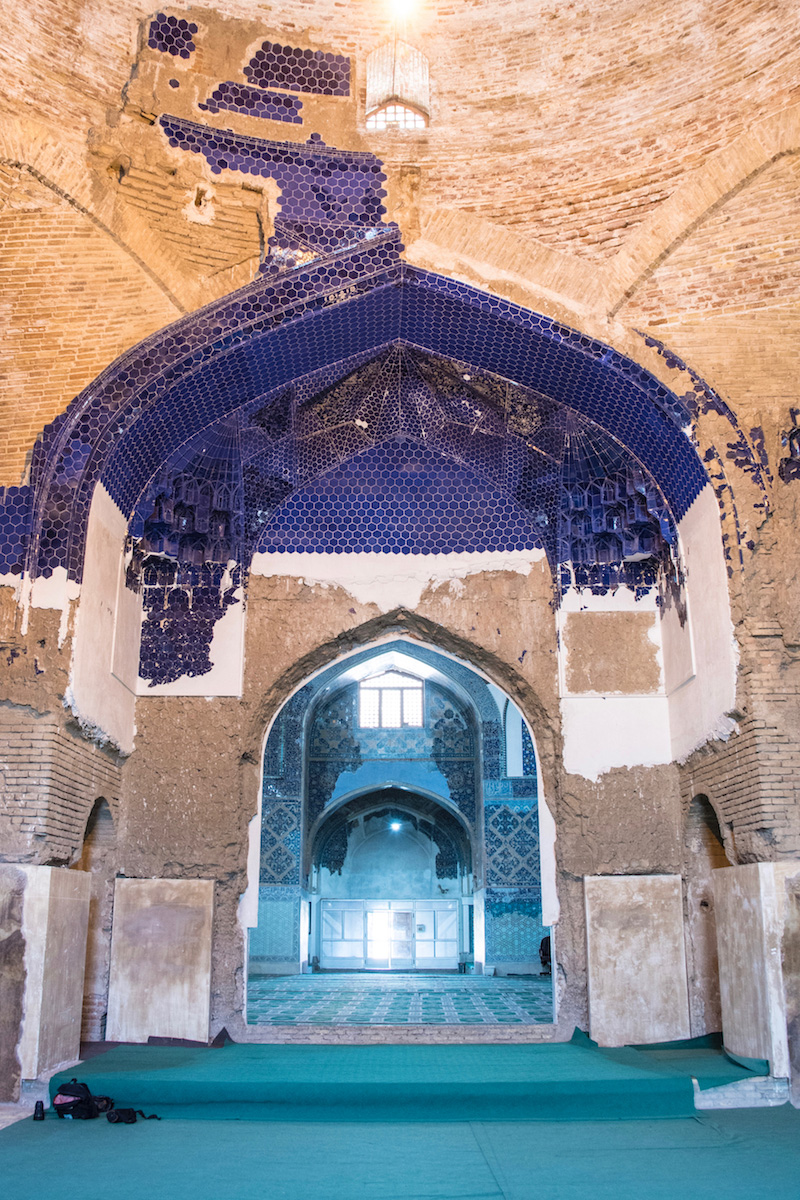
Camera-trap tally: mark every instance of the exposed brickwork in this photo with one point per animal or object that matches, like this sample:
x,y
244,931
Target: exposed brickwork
x,y
50,781
394,1035
753,780
224,226
743,258
78,301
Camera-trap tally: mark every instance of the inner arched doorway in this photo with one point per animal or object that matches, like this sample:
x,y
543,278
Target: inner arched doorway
x,y
391,886
400,830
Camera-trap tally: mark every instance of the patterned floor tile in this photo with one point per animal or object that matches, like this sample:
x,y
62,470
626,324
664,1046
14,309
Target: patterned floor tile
x,y
374,999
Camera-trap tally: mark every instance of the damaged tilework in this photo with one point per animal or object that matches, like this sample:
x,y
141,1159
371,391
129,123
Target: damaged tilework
x,y
253,102
328,197
15,525
332,261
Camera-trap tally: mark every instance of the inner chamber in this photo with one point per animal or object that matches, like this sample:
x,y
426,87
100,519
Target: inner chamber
x,y
392,886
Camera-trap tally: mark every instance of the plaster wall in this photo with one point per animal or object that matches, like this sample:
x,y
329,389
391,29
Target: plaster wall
x,y
700,658
385,864
196,819
106,648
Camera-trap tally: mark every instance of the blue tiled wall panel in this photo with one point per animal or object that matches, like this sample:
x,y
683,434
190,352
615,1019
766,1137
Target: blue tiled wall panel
x,y
514,927
172,35
399,499
15,528
299,70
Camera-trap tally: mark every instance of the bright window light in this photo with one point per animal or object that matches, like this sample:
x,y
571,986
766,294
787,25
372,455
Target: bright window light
x,y
397,116
390,701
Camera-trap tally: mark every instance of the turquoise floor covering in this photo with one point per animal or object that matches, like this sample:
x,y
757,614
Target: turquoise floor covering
x,y
554,1081
736,1155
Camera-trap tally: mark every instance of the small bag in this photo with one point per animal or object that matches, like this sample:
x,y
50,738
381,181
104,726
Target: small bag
x,y
127,1116
74,1101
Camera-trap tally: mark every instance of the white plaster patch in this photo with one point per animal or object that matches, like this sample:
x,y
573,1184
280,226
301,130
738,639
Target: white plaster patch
x,y
391,581
248,900
102,701
603,732
621,600
56,591
700,658
227,661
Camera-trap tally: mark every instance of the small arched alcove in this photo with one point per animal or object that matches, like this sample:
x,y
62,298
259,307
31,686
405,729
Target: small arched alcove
x,y
99,858
704,852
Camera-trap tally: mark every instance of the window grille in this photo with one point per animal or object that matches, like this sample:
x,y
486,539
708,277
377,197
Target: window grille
x,y
390,701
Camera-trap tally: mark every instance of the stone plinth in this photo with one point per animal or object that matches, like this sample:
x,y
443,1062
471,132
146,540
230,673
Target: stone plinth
x,y
750,905
160,982
45,915
637,968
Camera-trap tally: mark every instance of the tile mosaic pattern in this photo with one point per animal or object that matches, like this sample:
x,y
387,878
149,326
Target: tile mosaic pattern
x,y
512,845
15,528
277,937
336,745
375,999
172,35
355,308
454,492
332,263
448,738
187,530
514,929
512,466
280,843
299,70
399,498
253,102
528,754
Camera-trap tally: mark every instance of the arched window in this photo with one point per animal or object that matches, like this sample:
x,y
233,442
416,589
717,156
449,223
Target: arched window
x,y
396,115
398,87
391,700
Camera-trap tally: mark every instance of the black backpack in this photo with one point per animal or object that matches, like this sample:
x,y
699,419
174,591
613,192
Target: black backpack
x,y
74,1100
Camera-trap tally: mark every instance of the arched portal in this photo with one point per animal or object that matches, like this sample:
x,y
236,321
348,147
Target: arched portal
x,y
399,833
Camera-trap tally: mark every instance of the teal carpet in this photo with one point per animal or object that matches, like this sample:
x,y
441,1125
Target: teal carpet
x,y
554,1081
740,1155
